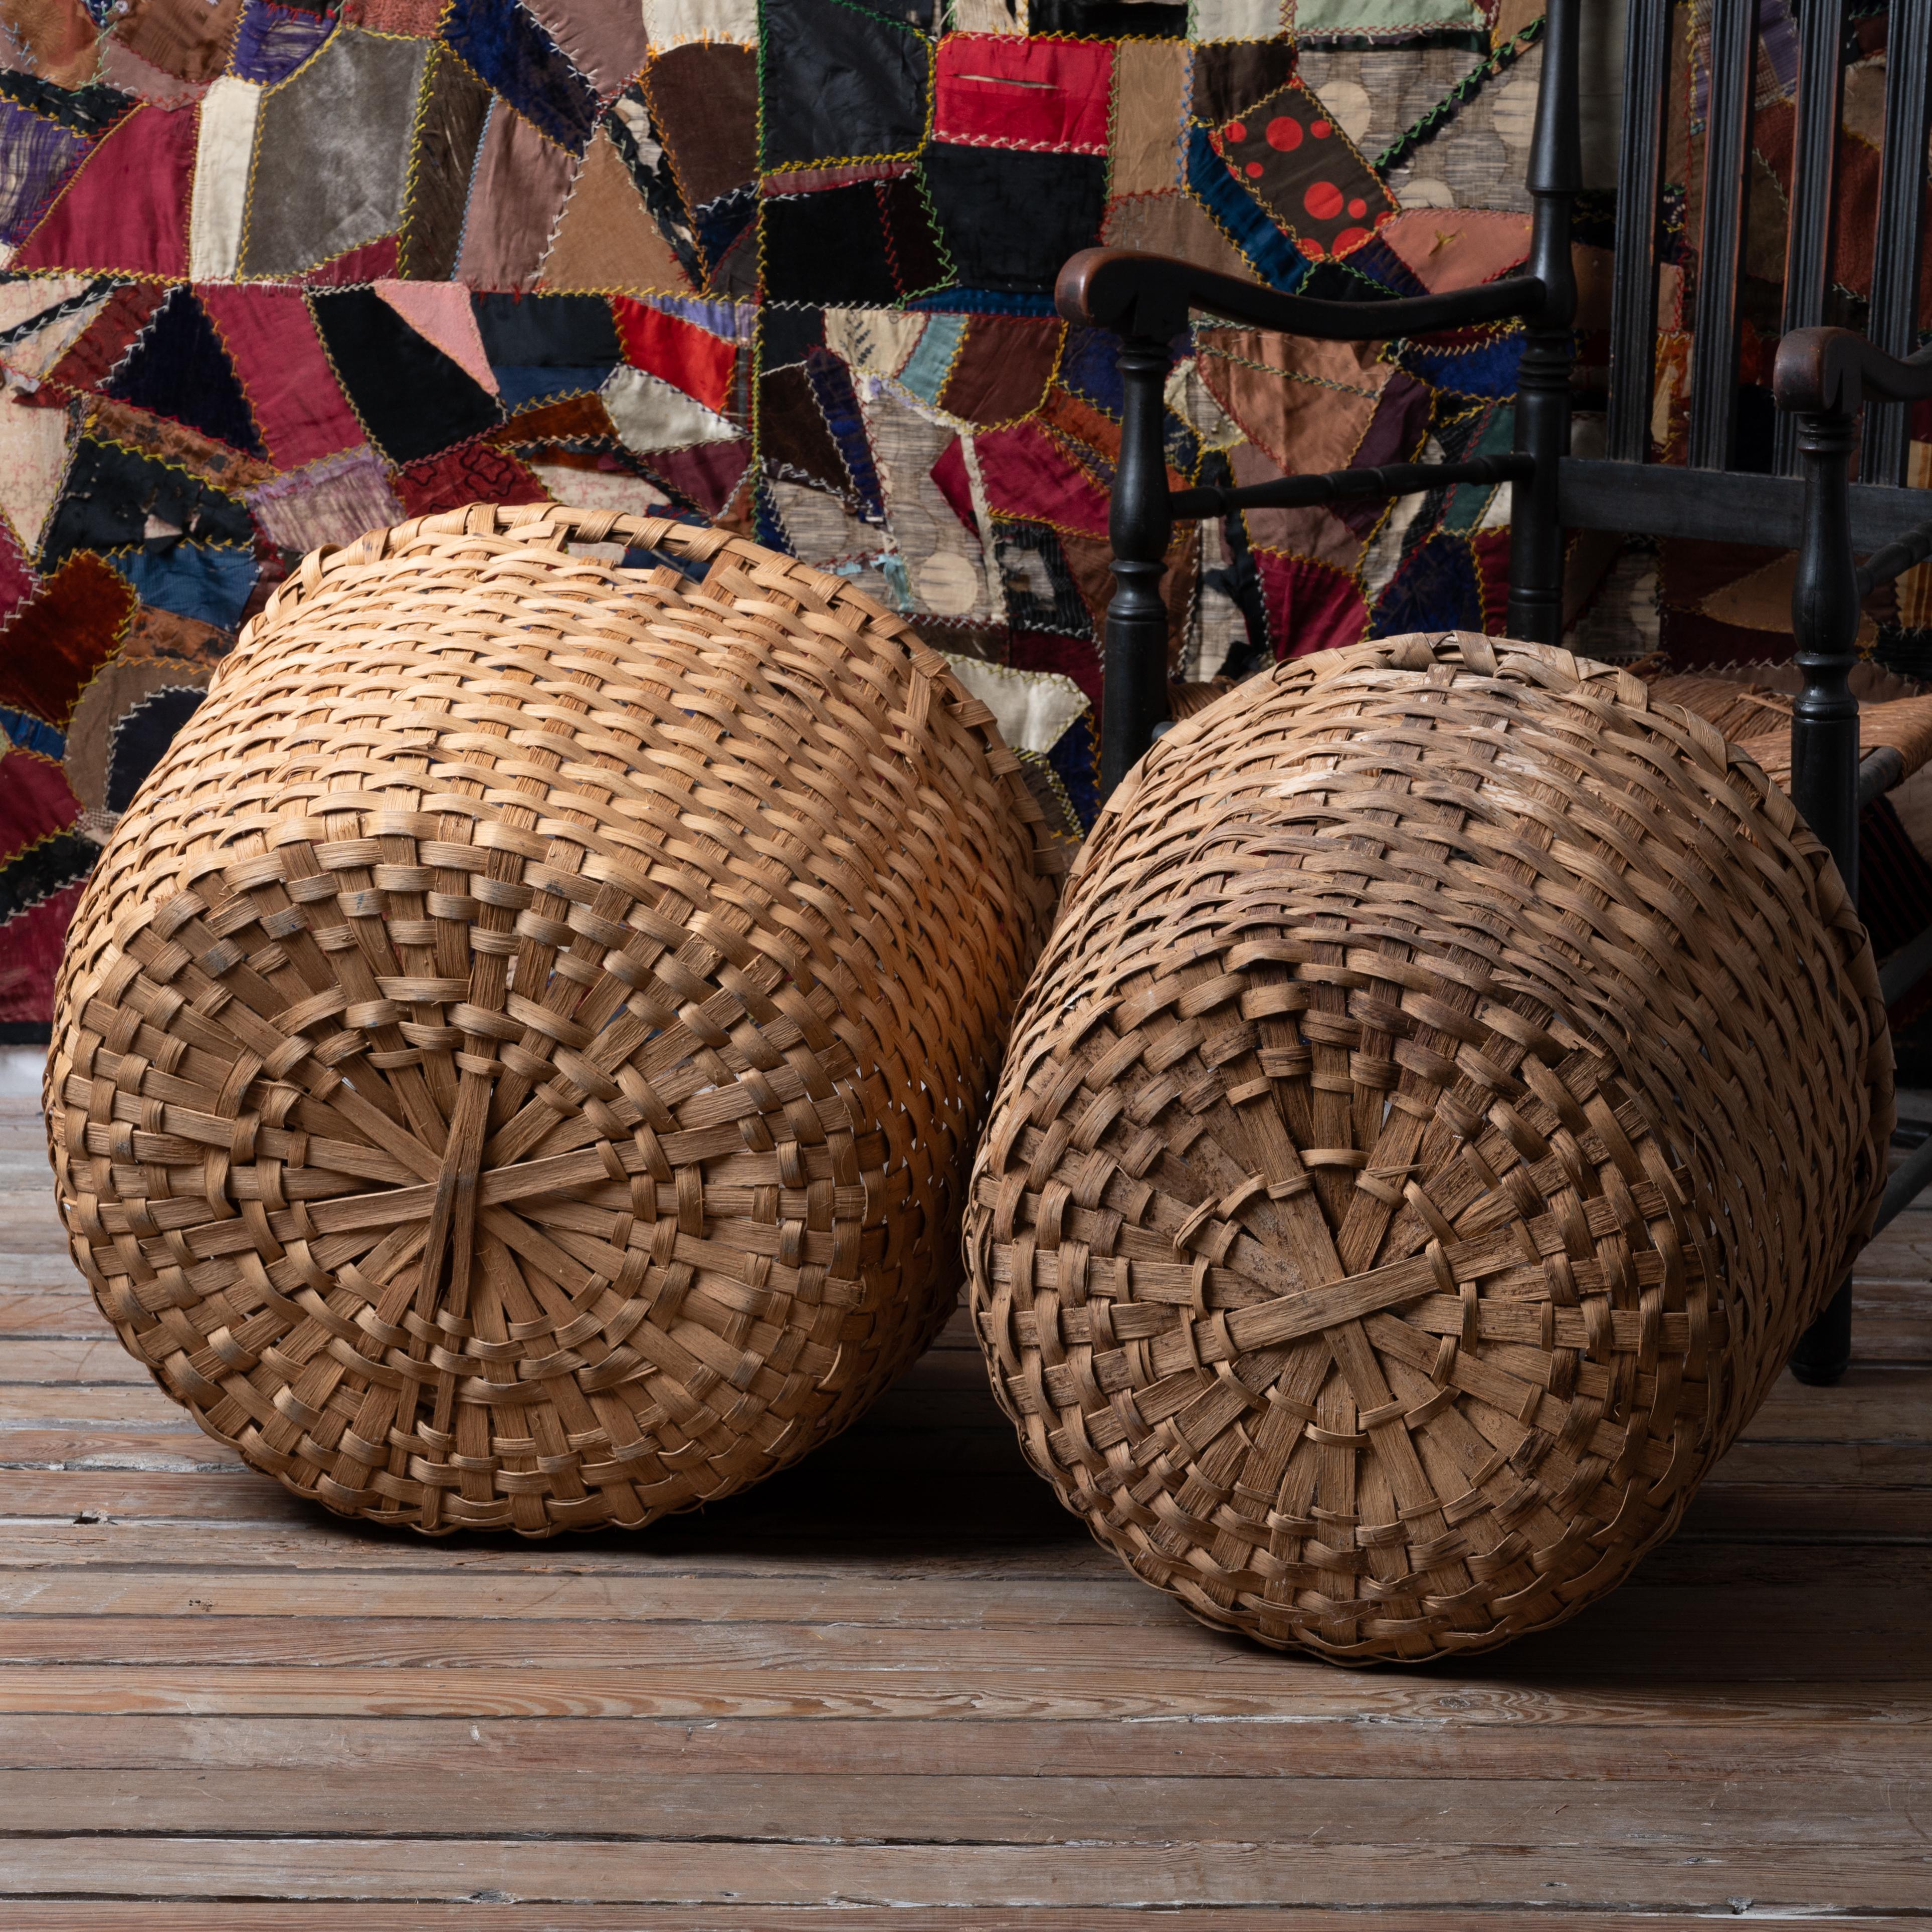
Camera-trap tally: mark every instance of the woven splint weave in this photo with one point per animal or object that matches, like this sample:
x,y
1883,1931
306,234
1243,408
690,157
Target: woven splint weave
x,y
516,1060
1454,1081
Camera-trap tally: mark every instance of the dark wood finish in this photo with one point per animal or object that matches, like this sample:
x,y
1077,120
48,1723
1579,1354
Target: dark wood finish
x,y
1633,283
1661,499
1139,524
1825,740
1393,479
1555,177
1142,294
1899,236
1821,378
899,1689
1713,343
1807,252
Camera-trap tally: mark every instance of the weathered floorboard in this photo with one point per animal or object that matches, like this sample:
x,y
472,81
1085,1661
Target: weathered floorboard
x,y
899,1686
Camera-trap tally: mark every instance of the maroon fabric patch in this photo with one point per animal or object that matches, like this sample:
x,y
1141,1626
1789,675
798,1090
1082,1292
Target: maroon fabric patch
x,y
373,262
35,802
704,100
954,485
125,206
1003,368
1027,474
270,337
30,944
1492,569
1314,605
59,639
16,580
1689,571
472,472
1692,641
708,473
1072,657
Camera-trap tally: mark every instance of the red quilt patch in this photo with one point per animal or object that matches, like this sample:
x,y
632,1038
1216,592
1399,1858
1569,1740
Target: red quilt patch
x,y
1311,606
35,801
1000,91
1027,473
689,358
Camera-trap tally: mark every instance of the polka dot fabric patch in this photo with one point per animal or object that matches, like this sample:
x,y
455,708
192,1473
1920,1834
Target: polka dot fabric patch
x,y
1290,154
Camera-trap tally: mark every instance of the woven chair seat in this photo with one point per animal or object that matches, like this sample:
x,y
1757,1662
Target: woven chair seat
x,y
1454,1081
1756,717
516,1059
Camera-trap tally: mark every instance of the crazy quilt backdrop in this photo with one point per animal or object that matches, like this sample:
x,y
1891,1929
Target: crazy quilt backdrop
x,y
278,271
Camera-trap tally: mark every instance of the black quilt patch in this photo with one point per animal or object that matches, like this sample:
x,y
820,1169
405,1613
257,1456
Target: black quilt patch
x,y
1107,20
178,369
142,734
1011,220
787,335
547,331
43,869
839,83
413,399
110,492
869,245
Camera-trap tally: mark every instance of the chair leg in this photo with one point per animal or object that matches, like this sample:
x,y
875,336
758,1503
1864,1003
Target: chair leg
x,y
1554,178
1824,1351
1824,605
1133,696
1536,533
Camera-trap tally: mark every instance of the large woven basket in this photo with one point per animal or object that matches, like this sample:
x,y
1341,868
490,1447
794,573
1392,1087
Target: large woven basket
x,y
516,1061
1453,1083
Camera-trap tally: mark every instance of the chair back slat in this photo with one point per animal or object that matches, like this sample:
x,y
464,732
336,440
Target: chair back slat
x,y
1894,321
1808,252
1713,344
1633,283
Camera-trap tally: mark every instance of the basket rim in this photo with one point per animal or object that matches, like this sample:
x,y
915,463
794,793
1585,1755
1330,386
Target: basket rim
x,y
564,523
1563,674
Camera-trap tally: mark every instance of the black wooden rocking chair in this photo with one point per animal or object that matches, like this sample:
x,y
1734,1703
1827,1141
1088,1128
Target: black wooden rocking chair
x,y
1823,376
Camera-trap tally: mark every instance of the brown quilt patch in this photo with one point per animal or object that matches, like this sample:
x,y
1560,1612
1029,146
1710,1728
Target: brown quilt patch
x,y
59,639
606,238
793,435
1003,369
449,129
186,38
704,103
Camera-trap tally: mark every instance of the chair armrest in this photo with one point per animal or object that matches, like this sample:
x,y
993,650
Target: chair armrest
x,y
1823,370
1140,294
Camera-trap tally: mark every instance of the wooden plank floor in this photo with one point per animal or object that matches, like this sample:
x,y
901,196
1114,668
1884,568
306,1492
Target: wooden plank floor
x,y
897,1686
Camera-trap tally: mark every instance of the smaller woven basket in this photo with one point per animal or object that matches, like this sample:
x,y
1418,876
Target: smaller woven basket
x,y
516,1060
1454,1081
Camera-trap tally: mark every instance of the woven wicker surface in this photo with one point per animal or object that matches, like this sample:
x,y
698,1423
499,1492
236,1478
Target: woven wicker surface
x,y
1453,1082
1756,717
516,1060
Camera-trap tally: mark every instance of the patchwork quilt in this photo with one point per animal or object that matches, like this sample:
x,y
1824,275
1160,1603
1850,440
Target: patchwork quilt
x,y
276,271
